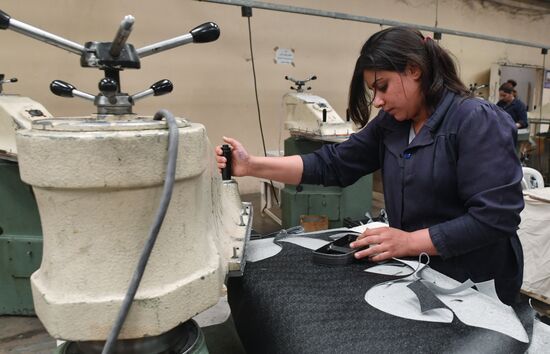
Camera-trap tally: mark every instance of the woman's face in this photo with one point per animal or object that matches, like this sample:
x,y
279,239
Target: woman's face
x,y
506,97
398,94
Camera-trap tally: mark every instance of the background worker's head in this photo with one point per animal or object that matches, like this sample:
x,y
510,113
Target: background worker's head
x,y
513,83
506,92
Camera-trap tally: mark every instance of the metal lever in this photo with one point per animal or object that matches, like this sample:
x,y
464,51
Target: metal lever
x,y
6,81
207,32
122,35
6,22
300,83
159,88
64,89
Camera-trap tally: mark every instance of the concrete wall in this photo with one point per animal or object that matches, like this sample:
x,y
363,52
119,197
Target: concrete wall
x,y
213,82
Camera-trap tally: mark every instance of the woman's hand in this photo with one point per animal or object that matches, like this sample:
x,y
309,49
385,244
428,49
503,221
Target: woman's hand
x,y
388,242
239,156
383,243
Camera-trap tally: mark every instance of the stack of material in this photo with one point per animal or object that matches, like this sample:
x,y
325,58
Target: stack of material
x,y
534,233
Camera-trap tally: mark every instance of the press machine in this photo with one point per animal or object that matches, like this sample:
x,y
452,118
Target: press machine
x,y
312,123
20,230
98,181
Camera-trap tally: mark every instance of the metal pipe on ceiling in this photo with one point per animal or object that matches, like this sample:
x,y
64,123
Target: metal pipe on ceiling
x,y
348,17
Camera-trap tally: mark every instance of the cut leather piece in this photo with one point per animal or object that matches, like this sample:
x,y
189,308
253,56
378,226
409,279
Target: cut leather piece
x,y
391,268
439,290
488,288
426,298
395,298
471,307
474,308
256,250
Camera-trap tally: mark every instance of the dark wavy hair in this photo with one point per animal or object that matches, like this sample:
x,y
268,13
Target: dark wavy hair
x,y
393,49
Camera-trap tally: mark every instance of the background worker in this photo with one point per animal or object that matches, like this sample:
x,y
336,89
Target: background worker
x,y
441,154
512,105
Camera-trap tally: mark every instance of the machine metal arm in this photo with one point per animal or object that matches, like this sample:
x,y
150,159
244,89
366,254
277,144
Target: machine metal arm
x,y
207,32
6,22
122,35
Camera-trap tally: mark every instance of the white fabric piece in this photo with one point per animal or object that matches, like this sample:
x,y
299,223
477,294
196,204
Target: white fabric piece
x,y
370,225
256,250
214,315
397,299
472,307
540,342
534,234
488,288
394,269
306,242
444,291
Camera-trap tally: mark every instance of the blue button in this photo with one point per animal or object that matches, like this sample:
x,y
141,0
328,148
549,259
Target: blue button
x,y
408,155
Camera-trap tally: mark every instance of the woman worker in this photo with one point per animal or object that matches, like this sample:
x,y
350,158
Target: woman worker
x,y
452,180
512,105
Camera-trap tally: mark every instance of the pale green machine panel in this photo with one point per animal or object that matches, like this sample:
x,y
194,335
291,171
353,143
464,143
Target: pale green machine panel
x,y
20,241
334,202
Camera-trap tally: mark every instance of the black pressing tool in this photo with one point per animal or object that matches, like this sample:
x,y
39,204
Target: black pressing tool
x,y
226,172
338,252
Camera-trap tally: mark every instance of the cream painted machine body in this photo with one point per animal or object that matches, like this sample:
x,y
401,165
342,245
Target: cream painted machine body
x,y
16,112
313,117
98,183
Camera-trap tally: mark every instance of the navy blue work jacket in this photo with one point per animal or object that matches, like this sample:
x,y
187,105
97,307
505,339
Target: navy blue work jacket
x,y
517,110
459,177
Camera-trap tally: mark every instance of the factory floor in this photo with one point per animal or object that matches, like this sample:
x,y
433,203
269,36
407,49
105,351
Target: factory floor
x,y
20,334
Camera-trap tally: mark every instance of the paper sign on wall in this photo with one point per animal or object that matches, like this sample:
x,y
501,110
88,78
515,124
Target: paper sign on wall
x,y
284,56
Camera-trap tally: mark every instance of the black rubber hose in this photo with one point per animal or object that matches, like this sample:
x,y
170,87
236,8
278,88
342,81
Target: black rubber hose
x,y
173,137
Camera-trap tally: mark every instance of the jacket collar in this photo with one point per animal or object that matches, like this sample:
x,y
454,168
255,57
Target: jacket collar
x,y
433,122
398,132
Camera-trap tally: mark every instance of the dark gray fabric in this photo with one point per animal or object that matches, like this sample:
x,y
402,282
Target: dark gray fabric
x,y
426,298
286,304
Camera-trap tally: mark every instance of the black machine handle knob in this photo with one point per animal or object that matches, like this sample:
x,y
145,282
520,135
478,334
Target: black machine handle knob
x,y
207,32
159,88
108,86
64,89
4,20
162,87
226,172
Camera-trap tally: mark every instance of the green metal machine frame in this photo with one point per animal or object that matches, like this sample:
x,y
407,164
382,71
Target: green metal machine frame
x,y
20,241
335,202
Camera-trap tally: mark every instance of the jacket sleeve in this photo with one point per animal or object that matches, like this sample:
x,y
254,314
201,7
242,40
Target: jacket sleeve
x,y
344,163
489,183
522,113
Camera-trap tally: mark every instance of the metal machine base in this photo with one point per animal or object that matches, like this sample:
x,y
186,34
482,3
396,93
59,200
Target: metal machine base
x,y
186,338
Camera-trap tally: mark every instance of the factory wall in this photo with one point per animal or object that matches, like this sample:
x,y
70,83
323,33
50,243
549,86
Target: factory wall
x,y
213,83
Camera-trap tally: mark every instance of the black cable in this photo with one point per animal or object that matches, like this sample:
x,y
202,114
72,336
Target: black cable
x,y
173,138
258,101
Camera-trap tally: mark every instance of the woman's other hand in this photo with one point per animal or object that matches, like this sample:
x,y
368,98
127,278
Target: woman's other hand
x,y
387,242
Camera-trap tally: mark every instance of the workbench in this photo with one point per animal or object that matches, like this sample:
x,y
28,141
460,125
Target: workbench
x,y
288,304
